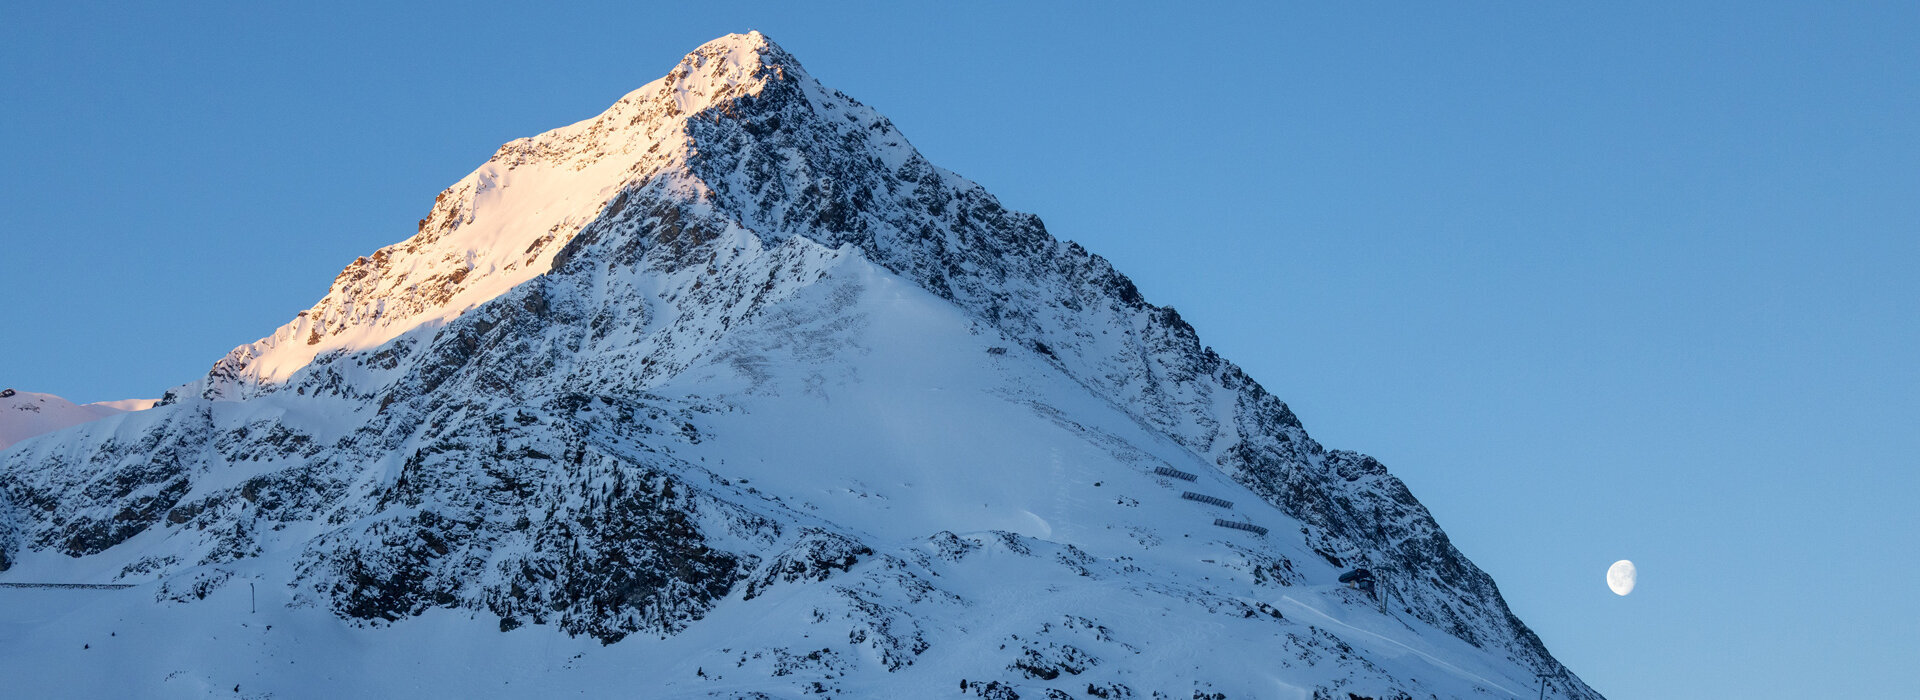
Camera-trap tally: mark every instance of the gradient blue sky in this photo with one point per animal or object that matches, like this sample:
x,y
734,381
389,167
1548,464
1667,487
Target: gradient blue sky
x,y
1599,281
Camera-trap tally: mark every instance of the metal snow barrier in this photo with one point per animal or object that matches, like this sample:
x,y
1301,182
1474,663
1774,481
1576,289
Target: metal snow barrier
x,y
1175,473
1203,498
1249,527
94,586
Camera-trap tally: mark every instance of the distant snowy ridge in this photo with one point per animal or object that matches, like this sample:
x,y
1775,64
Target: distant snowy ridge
x,y
124,405
732,381
25,414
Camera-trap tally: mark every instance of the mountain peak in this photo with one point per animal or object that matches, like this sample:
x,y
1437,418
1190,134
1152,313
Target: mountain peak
x,y
505,223
739,45
736,56
730,365
725,68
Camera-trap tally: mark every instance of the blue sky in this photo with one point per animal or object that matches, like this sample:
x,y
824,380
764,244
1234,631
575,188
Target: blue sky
x,y
1631,281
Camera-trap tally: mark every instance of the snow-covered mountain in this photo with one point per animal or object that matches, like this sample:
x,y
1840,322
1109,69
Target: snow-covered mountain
x,y
650,401
24,414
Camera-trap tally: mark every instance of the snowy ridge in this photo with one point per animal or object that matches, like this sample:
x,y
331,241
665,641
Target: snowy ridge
x,y
25,414
733,382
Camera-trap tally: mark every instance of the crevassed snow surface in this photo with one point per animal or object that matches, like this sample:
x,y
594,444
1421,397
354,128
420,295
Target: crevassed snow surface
x,y
728,393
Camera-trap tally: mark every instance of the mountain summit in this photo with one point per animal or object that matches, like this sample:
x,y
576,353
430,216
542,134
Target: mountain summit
x,y
728,392
503,224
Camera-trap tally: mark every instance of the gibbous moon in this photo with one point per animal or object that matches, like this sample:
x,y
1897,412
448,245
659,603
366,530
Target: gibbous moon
x,y
1621,577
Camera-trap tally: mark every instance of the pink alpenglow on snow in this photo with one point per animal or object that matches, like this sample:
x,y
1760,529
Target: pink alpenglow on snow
x,y
25,414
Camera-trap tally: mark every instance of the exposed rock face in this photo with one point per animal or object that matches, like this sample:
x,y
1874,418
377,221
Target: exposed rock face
x,y
524,409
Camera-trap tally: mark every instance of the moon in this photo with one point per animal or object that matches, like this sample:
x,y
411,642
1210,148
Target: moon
x,y
1621,577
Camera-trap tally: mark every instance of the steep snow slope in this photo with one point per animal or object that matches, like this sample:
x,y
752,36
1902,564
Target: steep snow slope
x,y
24,414
732,381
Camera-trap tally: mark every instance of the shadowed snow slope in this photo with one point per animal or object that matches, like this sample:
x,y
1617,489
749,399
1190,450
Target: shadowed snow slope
x,y
727,392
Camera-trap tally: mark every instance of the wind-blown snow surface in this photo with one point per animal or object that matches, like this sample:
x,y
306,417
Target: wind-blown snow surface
x,y
25,414
727,392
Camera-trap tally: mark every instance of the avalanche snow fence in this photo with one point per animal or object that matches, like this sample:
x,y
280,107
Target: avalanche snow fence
x,y
94,586
1175,473
1203,498
1249,527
